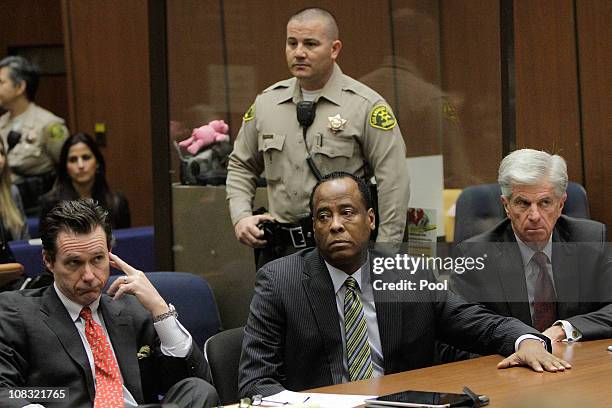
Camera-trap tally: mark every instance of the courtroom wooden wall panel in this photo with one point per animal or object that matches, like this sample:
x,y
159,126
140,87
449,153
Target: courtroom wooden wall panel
x,y
36,23
470,69
547,109
595,57
110,83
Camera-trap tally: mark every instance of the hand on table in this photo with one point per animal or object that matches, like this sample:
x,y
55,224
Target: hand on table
x,y
532,353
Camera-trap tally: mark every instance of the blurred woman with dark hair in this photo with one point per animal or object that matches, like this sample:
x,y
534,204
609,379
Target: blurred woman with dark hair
x,y
81,174
12,217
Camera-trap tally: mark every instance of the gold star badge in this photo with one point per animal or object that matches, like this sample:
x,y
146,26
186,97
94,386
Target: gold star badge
x,y
336,123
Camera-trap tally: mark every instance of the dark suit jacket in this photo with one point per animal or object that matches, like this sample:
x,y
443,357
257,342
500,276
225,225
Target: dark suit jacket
x,y
582,271
293,339
41,347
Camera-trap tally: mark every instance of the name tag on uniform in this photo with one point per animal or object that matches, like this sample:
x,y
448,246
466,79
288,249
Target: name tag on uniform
x,y
267,136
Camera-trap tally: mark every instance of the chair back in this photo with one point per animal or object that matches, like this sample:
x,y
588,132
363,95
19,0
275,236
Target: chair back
x,y
222,352
193,299
479,208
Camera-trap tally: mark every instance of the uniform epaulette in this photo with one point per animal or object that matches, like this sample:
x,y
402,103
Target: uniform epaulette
x,y
361,89
285,83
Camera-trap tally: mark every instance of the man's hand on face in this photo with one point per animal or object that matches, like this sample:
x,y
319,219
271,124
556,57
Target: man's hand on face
x,y
555,333
248,233
532,353
135,282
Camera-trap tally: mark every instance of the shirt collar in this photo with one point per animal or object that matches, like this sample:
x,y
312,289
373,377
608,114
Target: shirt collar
x,y
73,308
527,252
332,91
338,276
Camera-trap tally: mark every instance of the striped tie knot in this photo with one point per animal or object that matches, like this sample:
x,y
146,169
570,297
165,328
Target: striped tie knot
x,y
350,283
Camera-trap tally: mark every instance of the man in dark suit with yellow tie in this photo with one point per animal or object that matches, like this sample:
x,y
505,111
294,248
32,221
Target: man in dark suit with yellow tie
x,y
108,352
316,320
546,269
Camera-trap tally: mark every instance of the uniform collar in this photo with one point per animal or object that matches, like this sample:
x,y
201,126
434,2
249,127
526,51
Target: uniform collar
x,y
332,91
27,117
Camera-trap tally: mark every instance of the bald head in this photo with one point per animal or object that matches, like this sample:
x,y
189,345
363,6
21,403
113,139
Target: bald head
x,y
315,13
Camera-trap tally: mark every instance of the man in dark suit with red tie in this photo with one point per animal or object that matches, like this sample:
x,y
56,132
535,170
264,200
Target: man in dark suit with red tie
x,y
316,318
107,352
548,270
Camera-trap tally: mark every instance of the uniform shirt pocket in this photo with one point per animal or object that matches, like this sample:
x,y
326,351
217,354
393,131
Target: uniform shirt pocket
x,y
272,147
334,146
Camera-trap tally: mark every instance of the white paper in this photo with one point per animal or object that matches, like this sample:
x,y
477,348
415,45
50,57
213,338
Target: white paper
x,y
312,400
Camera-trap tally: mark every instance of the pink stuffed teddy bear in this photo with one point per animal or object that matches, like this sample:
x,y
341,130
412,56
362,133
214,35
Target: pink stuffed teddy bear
x,y
215,131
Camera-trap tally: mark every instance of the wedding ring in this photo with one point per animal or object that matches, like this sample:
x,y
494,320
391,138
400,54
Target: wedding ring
x,y
125,279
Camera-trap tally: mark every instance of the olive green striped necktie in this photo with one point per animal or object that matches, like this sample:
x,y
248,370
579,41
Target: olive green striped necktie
x,y
358,352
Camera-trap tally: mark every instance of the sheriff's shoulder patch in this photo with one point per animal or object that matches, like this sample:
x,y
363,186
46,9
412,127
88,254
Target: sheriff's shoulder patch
x,y
382,117
57,131
249,114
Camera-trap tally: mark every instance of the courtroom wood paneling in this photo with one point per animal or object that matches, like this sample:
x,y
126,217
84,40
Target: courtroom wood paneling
x,y
36,23
110,83
470,69
595,59
547,108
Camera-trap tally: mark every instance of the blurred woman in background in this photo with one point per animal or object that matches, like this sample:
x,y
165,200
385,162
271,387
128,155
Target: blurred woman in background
x,y
12,216
81,173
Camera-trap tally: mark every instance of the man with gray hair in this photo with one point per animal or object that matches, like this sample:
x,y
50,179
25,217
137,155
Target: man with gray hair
x,y
549,270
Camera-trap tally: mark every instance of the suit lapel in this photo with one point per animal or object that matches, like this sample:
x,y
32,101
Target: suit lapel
x,y
321,297
389,316
56,317
120,330
509,266
565,264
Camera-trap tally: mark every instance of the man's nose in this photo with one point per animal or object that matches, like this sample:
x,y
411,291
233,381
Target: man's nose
x,y
533,212
337,224
300,51
88,274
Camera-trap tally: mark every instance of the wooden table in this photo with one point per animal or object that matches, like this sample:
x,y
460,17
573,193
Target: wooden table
x,y
587,384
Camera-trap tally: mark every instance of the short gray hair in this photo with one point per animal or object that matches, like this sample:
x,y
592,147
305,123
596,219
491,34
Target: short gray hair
x,y
531,167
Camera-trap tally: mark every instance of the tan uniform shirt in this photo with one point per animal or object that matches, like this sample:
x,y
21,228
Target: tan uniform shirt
x,y
271,139
42,137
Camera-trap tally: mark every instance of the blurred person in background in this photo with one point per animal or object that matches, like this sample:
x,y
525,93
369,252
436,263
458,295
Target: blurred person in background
x,y
33,136
81,174
12,217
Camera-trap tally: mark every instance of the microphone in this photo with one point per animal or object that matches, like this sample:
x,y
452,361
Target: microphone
x,y
305,113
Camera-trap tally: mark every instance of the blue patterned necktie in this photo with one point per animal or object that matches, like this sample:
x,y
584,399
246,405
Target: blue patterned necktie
x,y
357,346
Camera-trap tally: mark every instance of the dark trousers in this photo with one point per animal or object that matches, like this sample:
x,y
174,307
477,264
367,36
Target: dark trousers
x,y
188,393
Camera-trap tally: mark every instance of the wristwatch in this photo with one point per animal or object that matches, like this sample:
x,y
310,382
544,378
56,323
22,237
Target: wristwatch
x,y
171,312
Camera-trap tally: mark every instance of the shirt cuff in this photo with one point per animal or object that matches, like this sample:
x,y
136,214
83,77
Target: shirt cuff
x,y
518,341
571,333
175,339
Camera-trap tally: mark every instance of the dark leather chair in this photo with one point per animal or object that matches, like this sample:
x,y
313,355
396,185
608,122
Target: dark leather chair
x,y
222,352
193,299
479,208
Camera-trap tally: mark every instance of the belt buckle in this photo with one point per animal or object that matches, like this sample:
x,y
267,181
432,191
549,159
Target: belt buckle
x,y
297,237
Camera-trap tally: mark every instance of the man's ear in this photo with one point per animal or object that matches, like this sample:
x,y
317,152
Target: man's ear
x,y
21,87
505,203
562,201
336,47
48,263
372,218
